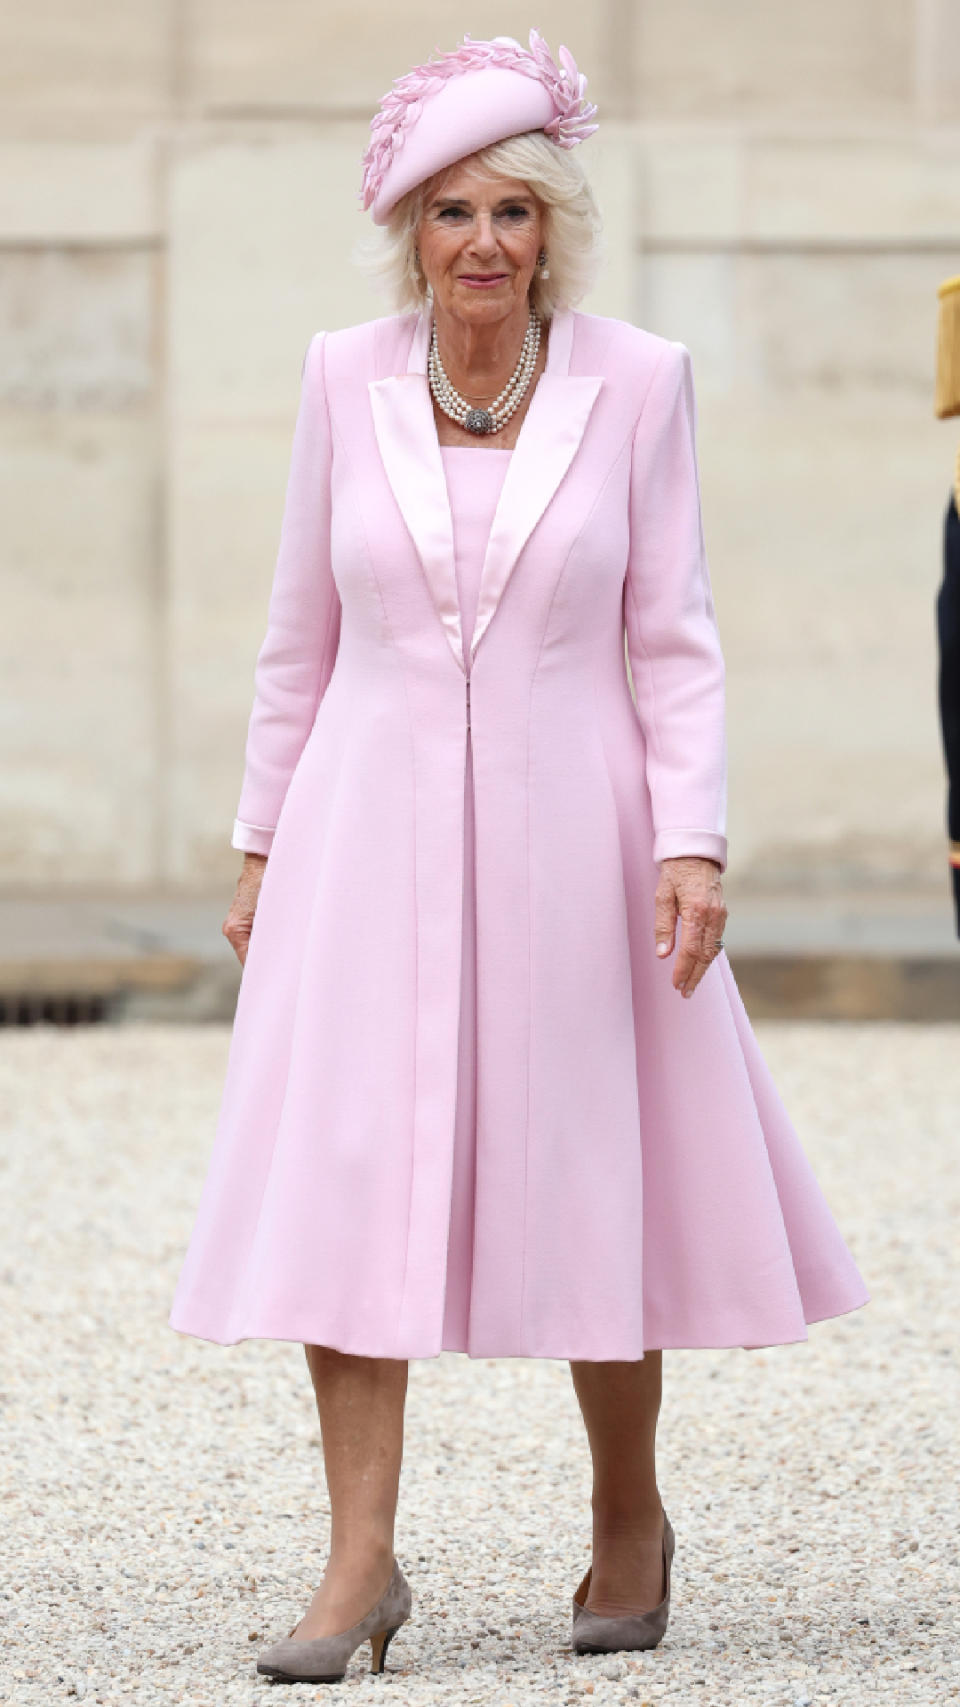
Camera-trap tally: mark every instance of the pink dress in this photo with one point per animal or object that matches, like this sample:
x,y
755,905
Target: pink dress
x,y
634,1181
474,478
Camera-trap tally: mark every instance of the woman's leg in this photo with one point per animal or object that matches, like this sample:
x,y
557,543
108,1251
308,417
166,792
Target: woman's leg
x,y
360,1402
620,1404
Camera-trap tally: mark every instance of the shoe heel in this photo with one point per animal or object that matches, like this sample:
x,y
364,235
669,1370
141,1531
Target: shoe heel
x,y
378,1647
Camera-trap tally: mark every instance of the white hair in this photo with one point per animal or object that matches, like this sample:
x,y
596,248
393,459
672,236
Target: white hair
x,y
571,225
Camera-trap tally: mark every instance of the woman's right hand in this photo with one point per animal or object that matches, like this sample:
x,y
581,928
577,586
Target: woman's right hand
x,y
239,921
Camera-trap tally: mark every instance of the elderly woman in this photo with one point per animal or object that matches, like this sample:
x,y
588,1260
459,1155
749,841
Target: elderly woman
x,y
470,1105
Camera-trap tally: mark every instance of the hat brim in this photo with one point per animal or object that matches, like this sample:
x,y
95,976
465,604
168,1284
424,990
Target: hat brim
x,y
469,112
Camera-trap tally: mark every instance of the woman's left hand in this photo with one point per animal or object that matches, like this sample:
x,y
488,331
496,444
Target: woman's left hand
x,y
691,890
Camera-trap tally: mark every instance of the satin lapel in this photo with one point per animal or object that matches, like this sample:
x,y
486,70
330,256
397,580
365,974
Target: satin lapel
x,y
549,438
410,450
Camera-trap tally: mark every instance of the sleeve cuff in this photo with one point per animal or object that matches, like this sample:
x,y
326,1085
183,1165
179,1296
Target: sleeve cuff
x,y
251,838
690,844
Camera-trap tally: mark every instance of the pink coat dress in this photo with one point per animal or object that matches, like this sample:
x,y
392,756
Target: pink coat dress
x,y
464,1107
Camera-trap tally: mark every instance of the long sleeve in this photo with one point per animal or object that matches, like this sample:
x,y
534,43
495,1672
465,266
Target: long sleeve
x,y
299,650
671,631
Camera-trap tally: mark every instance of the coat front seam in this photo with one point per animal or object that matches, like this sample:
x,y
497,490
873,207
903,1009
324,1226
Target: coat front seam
x,y
533,678
601,737
398,654
521,1326
244,1272
335,609
630,591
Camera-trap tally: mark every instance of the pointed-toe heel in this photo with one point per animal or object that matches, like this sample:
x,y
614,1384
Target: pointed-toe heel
x,y
324,1660
595,1634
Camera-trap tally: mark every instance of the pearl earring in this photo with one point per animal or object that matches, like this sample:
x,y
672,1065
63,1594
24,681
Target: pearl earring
x,y
542,264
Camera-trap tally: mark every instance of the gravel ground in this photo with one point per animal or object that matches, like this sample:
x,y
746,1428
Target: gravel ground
x,y
166,1508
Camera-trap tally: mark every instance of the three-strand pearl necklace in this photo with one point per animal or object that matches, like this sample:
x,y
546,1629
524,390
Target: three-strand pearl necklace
x,y
467,414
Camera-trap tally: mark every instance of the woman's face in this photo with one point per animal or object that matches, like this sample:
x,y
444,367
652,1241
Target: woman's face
x,y
479,237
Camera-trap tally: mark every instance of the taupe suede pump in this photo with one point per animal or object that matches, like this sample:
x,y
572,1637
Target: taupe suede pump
x,y
324,1660
594,1634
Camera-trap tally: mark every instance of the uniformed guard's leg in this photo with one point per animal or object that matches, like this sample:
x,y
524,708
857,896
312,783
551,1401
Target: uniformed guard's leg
x,y
360,1403
948,635
620,1404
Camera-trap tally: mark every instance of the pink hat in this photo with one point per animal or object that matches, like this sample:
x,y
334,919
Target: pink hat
x,y
480,93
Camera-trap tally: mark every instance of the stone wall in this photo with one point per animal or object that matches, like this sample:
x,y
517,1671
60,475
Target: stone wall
x,y
178,209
